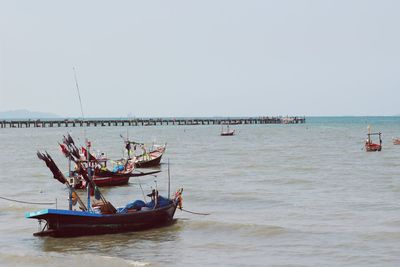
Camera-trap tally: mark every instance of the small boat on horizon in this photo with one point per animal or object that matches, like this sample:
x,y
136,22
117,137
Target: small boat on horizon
x,y
396,141
228,132
369,145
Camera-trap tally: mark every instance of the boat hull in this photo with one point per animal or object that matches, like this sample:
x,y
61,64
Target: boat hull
x,y
149,163
106,181
111,181
65,223
152,159
373,147
228,134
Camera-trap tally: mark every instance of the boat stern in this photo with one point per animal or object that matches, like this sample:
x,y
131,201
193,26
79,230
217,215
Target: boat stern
x,y
41,214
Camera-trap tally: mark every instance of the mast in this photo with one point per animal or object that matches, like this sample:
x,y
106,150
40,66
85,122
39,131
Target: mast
x,y
80,101
70,186
89,174
87,141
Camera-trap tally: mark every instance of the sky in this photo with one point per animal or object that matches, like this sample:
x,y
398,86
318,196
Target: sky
x,y
201,58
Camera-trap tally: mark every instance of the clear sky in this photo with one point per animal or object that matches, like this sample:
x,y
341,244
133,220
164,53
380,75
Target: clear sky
x,y
201,58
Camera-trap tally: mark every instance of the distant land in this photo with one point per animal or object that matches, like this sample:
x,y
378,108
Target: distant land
x,y
26,114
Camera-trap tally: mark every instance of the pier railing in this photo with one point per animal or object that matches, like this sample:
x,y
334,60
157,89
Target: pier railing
x,y
147,122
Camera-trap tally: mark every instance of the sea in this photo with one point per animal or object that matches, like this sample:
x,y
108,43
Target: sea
x,y
277,195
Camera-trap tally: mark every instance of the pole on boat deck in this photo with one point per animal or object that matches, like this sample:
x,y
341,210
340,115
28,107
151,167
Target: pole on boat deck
x,y
70,186
69,166
169,182
70,198
156,195
89,174
369,134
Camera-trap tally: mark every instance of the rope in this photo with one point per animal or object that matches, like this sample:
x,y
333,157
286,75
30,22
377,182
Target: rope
x,y
197,213
26,202
144,197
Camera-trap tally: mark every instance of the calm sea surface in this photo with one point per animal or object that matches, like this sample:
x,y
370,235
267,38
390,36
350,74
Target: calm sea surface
x,y
279,195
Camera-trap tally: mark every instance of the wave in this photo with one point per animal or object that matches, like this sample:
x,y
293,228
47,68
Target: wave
x,y
130,262
66,260
298,181
245,196
243,229
382,236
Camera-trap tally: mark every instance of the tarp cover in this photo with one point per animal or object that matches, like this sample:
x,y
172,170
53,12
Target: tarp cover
x,y
137,204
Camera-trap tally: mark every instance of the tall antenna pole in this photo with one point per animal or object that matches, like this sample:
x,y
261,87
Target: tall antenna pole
x,y
80,101
86,140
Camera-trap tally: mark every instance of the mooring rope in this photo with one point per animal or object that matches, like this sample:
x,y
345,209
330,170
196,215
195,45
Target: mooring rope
x,y
27,202
197,213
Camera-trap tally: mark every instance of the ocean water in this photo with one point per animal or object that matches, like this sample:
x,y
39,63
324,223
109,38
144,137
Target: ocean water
x,y
279,195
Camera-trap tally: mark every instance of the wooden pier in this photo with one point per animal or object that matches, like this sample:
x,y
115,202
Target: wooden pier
x,y
146,122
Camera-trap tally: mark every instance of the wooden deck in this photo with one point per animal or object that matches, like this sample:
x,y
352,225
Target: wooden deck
x,y
146,122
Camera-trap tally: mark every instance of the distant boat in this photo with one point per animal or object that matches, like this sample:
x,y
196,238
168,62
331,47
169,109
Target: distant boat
x,y
287,120
150,159
369,145
105,177
396,141
102,176
146,159
227,132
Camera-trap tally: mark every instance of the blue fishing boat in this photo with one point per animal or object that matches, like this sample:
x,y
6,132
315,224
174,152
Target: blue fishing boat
x,y
68,223
102,217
